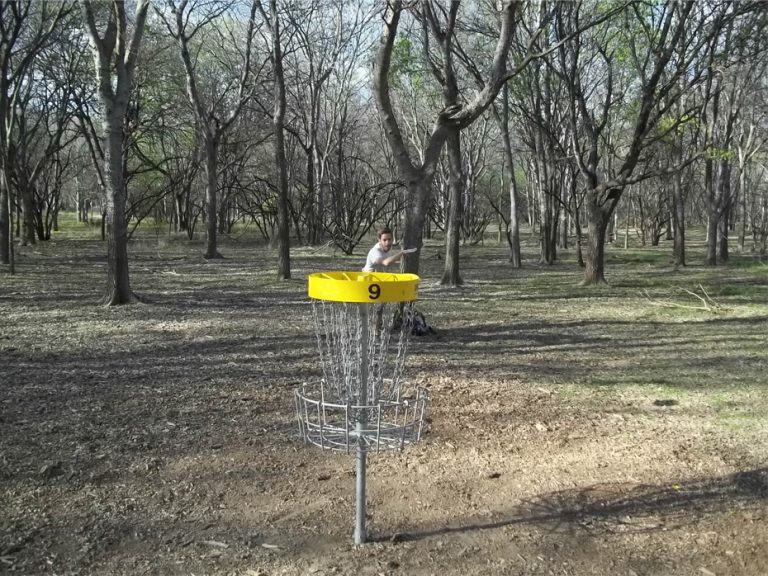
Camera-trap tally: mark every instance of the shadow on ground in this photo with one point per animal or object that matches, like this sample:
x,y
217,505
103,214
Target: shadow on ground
x,y
604,508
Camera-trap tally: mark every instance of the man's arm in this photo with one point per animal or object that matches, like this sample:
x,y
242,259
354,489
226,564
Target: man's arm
x,y
396,256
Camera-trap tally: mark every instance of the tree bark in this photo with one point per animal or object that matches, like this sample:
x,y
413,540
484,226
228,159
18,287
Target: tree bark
x,y
118,277
723,195
513,234
599,213
451,275
278,121
211,149
27,215
6,234
678,216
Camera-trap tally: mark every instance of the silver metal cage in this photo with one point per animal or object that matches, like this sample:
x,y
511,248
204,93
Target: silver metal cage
x,y
344,427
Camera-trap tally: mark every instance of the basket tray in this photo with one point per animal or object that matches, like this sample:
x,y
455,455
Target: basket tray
x,y
386,425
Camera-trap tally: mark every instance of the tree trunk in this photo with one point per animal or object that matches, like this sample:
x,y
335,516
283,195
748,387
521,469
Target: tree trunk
x,y
594,271
416,205
118,280
579,236
678,216
311,210
278,120
210,147
743,216
711,259
451,276
562,225
722,200
27,214
513,234
5,220
319,197
114,93
600,208
546,250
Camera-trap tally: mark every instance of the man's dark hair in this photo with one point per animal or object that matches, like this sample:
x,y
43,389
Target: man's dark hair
x,y
384,230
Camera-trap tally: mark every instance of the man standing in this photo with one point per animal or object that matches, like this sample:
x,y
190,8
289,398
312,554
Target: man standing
x,y
379,257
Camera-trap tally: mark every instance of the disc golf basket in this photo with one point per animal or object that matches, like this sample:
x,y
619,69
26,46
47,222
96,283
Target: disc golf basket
x,y
363,323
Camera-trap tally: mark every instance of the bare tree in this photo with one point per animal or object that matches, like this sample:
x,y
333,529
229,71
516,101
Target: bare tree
x,y
329,38
215,114
662,43
417,176
115,54
278,124
735,66
26,27
42,130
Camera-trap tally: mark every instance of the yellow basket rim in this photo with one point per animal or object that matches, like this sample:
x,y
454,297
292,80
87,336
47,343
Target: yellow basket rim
x,y
363,287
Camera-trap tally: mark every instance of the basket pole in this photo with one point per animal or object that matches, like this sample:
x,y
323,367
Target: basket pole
x,y
360,425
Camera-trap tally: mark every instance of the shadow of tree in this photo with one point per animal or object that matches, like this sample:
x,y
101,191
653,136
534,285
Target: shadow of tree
x,y
612,508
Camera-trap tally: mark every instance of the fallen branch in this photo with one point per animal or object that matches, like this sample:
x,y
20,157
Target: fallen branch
x,y
707,304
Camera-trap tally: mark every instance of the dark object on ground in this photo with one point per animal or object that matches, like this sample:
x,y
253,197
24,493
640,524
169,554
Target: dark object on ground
x,y
665,402
418,321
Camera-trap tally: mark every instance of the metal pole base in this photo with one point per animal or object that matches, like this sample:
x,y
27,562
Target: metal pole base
x,y
360,533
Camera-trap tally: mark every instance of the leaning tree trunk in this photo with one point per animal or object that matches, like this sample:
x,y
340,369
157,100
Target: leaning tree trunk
x,y
451,276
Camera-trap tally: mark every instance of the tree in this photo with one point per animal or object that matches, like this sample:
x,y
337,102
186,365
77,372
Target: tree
x,y
660,42
42,125
417,176
278,124
26,27
513,220
115,55
215,114
735,66
329,37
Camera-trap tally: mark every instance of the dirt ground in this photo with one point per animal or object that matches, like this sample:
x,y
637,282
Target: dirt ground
x,y
569,434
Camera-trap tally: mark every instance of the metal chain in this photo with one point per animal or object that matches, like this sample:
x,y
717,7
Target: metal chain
x,y
339,332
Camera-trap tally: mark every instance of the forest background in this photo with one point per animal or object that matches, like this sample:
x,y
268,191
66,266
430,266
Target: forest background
x,y
313,122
